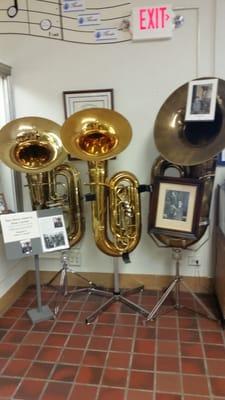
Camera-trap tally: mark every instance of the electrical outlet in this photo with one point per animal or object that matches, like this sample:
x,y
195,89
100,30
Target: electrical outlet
x,y
74,257
51,255
194,261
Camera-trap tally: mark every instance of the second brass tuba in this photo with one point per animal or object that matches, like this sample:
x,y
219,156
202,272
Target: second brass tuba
x,y
190,147
96,135
32,145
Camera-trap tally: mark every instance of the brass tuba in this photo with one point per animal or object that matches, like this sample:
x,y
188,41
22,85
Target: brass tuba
x,y
32,145
96,135
190,147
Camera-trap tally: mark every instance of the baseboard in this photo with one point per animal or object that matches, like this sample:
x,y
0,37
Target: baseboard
x,y
150,282
154,282
14,293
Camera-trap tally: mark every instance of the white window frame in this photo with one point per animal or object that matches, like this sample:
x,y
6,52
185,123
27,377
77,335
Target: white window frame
x,y
14,193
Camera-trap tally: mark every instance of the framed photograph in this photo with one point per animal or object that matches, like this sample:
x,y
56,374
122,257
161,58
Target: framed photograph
x,y
201,100
175,207
81,99
3,204
221,158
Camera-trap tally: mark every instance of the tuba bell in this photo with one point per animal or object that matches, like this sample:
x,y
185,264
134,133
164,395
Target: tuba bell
x,y
32,145
191,148
96,135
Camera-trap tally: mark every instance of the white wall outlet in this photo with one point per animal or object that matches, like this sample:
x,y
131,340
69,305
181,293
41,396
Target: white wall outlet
x,y
74,257
194,261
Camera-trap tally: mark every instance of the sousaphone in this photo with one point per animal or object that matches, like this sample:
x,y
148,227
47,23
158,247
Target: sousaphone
x,y
191,148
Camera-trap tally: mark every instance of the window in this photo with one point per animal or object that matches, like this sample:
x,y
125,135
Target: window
x,y
6,108
12,191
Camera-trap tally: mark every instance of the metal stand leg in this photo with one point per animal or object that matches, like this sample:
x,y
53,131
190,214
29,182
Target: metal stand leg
x,y
117,295
63,285
175,284
41,313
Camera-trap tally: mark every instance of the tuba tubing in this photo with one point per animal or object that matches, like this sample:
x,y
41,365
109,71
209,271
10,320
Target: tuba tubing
x,y
120,195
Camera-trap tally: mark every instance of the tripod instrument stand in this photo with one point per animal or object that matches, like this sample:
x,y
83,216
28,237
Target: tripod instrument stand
x,y
175,285
63,282
116,295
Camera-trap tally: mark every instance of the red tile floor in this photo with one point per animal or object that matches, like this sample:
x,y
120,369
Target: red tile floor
x,y
179,356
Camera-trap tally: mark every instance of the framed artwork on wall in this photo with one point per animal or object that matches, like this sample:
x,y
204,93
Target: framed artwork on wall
x,y
78,100
175,207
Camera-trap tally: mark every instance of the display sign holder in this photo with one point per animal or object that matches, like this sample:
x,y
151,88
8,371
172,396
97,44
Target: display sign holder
x,y
30,234
41,313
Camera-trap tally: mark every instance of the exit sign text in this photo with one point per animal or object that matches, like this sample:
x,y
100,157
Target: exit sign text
x,y
152,22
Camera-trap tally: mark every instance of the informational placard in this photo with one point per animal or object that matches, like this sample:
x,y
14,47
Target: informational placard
x,y
33,232
152,22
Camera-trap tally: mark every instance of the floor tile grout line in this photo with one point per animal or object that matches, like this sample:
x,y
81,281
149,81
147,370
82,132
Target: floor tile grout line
x,y
134,337
55,362
205,360
84,349
107,356
156,322
180,357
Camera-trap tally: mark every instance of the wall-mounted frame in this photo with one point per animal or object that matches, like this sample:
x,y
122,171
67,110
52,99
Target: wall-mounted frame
x,y
201,100
3,205
175,207
221,158
78,100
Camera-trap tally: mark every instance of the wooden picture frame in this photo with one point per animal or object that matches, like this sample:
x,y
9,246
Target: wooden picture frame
x,y
201,100
77,100
175,206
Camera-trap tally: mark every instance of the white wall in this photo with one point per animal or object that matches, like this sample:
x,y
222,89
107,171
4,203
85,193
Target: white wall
x,y
142,75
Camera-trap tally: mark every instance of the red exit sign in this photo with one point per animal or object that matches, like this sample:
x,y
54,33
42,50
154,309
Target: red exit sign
x,y
152,22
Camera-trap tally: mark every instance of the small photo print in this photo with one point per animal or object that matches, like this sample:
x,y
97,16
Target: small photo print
x,y
3,205
176,205
57,221
201,100
54,240
26,246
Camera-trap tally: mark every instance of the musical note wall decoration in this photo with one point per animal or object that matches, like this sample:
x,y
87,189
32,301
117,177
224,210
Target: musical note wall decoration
x,y
76,21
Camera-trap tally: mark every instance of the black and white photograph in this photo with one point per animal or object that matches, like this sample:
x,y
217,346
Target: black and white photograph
x,y
53,233
26,246
221,158
3,205
201,100
176,205
54,240
57,221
